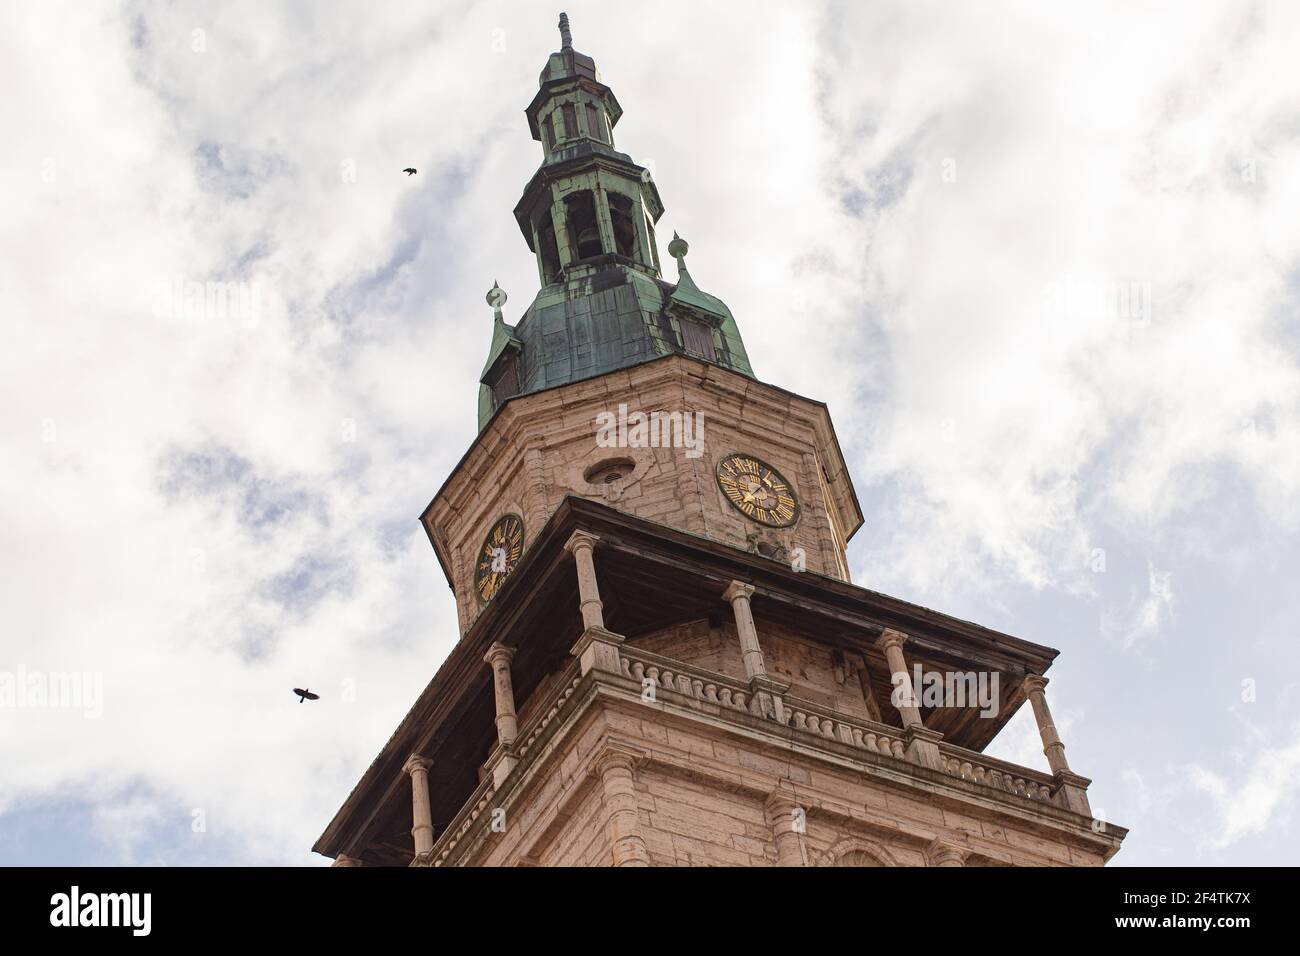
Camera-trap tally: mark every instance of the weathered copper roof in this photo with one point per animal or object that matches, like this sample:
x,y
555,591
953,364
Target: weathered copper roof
x,y
600,313
611,319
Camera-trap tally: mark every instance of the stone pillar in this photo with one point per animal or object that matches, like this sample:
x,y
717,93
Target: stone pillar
x,y
891,642
784,817
764,692
739,593
421,814
502,760
1034,685
1071,789
498,658
580,545
344,860
922,743
942,853
614,767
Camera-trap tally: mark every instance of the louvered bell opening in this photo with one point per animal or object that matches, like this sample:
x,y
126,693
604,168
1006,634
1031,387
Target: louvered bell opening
x,y
697,339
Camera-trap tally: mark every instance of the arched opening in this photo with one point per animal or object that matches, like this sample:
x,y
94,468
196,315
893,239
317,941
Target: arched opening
x,y
857,858
620,216
584,233
548,131
855,852
548,249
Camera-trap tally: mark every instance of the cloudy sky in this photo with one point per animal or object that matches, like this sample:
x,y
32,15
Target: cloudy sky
x,y
1042,262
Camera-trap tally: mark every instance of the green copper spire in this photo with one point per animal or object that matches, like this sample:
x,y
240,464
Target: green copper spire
x,y
588,216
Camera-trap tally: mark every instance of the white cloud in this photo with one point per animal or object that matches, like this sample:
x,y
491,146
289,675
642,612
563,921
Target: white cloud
x,y
1146,615
1021,411
1260,800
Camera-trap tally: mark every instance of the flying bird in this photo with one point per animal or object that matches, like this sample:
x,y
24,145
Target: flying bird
x,y
305,694
409,170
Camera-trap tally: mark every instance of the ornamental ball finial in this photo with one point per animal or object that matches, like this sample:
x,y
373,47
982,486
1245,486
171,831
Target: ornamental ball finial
x,y
678,247
496,296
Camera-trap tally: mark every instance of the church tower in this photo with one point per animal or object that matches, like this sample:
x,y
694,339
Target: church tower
x,y
662,659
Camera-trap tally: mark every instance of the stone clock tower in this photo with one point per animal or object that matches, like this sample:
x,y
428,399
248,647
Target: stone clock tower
x,y
662,659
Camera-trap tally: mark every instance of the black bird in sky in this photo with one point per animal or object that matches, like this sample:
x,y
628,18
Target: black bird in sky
x,y
409,170
305,694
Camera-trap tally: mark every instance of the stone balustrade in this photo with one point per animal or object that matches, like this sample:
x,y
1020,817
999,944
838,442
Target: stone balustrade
x,y
685,679
730,694
870,736
727,692
566,685
463,822
1006,777
474,810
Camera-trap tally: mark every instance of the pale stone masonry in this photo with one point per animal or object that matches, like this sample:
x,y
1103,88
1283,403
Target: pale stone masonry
x,y
674,749
616,779
537,449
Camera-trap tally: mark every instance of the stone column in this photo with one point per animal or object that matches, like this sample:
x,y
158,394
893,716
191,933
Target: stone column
x,y
891,642
502,760
422,815
1034,686
1071,789
922,743
739,593
580,545
614,767
765,692
942,853
498,658
782,812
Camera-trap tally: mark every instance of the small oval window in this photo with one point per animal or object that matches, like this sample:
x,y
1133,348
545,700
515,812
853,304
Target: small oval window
x,y
611,469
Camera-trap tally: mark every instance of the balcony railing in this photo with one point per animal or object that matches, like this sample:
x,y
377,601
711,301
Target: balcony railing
x,y
888,741
481,799
730,694
998,774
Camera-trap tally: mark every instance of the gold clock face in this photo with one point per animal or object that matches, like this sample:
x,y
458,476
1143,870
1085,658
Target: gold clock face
x,y
498,556
758,491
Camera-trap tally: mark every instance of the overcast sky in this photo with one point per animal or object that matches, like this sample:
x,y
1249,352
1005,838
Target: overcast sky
x,y
1041,261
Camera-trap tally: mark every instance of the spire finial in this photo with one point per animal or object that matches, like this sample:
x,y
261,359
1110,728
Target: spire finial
x,y
496,298
678,249
566,39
